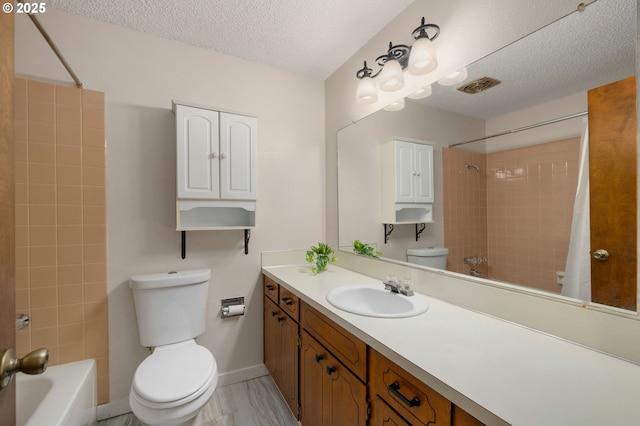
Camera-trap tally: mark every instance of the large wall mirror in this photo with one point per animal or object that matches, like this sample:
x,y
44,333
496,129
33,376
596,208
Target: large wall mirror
x,y
513,190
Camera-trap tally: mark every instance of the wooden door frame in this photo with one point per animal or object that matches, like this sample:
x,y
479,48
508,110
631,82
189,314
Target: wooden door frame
x,y
7,207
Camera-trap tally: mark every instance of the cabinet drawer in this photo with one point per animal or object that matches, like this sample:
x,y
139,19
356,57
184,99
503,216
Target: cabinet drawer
x,y
414,400
289,303
383,415
271,289
350,350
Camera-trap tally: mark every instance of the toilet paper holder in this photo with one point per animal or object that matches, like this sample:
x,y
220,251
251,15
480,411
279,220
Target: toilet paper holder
x,y
232,307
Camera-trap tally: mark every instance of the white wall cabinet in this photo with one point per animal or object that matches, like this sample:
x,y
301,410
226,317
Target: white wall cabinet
x,y
216,168
407,181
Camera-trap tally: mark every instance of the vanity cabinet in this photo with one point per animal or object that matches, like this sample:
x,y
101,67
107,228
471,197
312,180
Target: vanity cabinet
x,y
216,168
332,373
281,340
407,181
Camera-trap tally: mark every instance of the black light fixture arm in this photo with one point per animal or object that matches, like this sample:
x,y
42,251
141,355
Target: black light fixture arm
x,y
422,31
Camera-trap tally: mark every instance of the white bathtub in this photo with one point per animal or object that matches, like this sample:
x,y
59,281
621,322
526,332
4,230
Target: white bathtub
x,y
64,395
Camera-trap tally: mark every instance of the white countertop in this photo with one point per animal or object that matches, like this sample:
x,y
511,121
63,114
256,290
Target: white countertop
x,y
516,374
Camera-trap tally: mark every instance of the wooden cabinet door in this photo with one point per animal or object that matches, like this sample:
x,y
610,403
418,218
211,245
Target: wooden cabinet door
x,y
198,168
288,360
311,377
238,157
271,339
612,182
383,415
345,400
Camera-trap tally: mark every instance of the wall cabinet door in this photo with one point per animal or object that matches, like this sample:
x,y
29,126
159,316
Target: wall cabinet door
x,y
329,393
217,154
414,172
198,143
238,136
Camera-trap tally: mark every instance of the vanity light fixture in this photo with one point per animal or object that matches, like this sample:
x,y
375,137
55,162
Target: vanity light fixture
x,y
395,105
421,93
418,59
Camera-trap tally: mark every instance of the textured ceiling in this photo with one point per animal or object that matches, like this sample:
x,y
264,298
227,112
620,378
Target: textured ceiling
x,y
579,52
313,37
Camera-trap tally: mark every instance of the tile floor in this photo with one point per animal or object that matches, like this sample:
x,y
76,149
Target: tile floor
x,y
256,402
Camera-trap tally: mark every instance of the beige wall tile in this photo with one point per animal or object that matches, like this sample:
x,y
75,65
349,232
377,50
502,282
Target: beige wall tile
x,y
71,333
70,294
43,317
20,109
69,234
93,157
93,137
21,151
93,176
68,135
20,130
69,175
68,95
40,193
43,297
72,352
44,337
94,253
93,118
41,153
41,132
69,215
22,278
42,214
70,314
22,299
43,276
92,99
94,234
70,274
22,235
94,215
23,342
20,88
21,173
95,311
42,235
40,91
95,272
94,195
69,194
96,338
41,111
68,115
70,255
22,257
68,155
42,255
42,173
95,292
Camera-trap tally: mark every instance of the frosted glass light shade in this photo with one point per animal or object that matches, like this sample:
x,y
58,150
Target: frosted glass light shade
x,y
420,93
391,77
454,78
367,92
395,106
423,57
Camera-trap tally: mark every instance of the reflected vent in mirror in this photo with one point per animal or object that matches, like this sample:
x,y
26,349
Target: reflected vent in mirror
x,y
479,85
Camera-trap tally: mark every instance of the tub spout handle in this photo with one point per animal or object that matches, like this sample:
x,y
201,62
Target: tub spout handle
x,y
32,363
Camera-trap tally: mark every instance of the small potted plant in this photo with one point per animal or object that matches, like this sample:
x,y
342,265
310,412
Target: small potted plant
x,y
365,249
319,257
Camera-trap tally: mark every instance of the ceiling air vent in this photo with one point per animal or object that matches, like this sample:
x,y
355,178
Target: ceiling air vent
x,y
479,85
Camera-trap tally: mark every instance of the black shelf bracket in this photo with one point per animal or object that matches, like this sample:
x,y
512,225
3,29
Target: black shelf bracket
x,y
418,232
247,237
387,232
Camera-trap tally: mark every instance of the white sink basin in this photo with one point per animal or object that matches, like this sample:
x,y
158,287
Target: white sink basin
x,y
375,301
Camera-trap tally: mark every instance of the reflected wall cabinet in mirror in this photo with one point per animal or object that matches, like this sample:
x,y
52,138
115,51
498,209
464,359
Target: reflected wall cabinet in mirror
x,y
514,166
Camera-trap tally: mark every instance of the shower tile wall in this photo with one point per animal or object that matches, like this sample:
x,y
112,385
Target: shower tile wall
x,y
61,280
528,202
465,208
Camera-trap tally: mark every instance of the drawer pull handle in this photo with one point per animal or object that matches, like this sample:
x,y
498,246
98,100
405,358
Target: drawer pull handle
x,y
331,370
287,301
280,319
395,389
274,313
319,357
270,287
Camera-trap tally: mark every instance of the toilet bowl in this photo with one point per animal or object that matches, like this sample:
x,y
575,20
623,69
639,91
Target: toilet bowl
x,y
178,378
434,257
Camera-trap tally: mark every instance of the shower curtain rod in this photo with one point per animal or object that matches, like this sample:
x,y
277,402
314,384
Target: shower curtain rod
x,y
55,49
520,129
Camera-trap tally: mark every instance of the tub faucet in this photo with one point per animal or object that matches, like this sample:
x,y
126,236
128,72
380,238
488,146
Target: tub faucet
x,y
403,287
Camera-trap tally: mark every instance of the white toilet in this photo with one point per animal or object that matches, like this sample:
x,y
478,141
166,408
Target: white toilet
x,y
172,384
434,257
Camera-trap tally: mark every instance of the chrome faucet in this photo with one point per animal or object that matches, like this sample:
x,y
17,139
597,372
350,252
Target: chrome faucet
x,y
403,287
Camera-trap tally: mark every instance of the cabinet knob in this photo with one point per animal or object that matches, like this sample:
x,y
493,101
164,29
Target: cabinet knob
x,y
222,156
319,357
280,319
213,155
274,313
331,370
287,301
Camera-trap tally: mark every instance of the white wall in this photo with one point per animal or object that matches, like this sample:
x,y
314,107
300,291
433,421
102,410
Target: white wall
x,y
140,75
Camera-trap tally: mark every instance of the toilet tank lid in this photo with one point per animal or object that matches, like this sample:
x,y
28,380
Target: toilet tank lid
x,y
169,279
428,252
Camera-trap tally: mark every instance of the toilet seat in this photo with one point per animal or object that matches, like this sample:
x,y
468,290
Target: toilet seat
x,y
174,375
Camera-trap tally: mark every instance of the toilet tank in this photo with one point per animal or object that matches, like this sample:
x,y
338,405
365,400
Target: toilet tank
x,y
171,307
434,257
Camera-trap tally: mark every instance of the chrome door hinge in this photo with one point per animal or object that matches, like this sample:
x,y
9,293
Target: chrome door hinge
x,y
299,411
299,341
368,409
